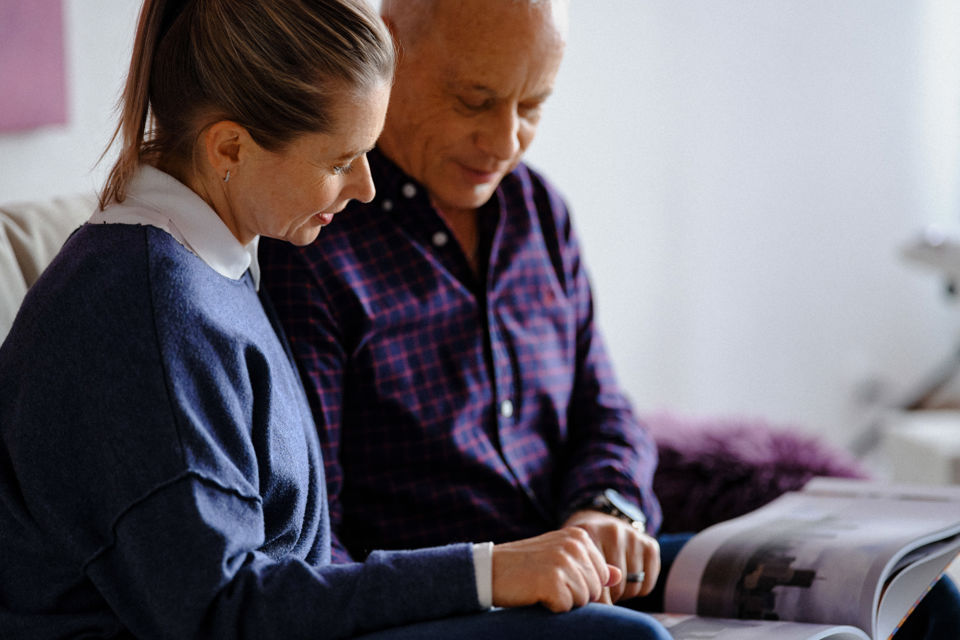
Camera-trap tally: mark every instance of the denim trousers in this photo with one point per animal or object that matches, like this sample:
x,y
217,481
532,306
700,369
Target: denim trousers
x,y
535,623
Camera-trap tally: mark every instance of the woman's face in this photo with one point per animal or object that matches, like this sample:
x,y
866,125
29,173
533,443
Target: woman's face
x,y
290,195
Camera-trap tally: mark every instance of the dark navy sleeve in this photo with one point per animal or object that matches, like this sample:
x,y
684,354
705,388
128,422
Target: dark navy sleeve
x,y
609,447
185,564
298,292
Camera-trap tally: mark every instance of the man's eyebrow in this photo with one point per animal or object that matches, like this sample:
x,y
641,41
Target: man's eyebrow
x,y
542,96
483,89
455,86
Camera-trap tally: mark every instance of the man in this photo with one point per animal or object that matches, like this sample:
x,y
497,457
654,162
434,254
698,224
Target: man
x,y
446,329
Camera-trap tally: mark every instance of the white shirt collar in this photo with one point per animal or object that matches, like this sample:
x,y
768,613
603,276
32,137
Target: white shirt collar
x,y
158,199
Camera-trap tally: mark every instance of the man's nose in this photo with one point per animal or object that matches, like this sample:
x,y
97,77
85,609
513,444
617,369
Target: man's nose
x,y
499,133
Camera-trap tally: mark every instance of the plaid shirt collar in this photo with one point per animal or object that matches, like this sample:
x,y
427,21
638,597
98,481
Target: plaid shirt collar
x,y
422,221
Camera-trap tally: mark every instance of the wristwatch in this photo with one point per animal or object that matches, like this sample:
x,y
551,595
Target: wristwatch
x,y
614,504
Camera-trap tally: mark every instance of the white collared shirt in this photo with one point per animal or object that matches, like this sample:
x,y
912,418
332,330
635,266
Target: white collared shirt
x,y
158,199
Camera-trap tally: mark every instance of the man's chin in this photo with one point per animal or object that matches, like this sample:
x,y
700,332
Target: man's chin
x,y
468,199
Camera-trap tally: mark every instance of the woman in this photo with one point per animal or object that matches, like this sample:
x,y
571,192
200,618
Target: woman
x,y
160,476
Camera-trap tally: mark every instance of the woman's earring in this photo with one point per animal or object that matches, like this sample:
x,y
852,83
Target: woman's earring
x,y
226,178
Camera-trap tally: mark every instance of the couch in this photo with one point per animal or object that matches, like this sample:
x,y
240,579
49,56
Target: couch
x,y
31,233
711,469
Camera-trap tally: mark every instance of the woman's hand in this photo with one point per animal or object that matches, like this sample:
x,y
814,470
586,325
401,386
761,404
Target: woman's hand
x,y
560,570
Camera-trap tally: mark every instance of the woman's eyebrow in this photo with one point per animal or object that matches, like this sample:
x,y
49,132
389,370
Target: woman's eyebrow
x,y
353,155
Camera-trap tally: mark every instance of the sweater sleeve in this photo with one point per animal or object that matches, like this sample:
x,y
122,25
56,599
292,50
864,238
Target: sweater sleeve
x,y
299,294
185,564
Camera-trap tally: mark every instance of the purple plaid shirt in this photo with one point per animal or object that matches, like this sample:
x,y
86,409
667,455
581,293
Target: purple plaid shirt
x,y
453,407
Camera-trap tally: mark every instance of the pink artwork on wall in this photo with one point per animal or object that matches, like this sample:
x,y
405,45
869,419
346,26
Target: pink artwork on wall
x,y
32,80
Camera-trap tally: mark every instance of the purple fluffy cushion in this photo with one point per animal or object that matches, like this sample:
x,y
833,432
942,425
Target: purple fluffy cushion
x,y
712,470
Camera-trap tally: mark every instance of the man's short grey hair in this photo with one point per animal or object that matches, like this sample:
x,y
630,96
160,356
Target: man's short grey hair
x,y
410,17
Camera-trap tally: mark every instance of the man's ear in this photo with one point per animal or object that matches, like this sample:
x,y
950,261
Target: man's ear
x,y
226,145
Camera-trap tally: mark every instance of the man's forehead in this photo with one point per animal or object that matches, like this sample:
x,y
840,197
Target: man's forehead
x,y
458,81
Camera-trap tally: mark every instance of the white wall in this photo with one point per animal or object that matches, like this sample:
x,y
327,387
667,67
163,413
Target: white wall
x,y
742,174
62,159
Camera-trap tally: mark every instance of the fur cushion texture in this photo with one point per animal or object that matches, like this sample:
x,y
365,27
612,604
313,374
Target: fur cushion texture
x,y
714,469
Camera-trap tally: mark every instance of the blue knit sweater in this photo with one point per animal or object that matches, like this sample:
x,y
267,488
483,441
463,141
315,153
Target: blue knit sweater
x,y
160,476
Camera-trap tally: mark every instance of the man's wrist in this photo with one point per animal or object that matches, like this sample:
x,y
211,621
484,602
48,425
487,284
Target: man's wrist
x,y
612,503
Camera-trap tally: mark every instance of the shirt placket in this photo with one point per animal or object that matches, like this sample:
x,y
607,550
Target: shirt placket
x,y
506,382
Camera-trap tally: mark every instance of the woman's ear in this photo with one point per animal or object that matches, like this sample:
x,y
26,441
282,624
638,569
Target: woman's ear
x,y
226,145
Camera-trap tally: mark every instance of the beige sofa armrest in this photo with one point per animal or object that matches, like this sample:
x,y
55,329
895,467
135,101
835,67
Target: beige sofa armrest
x,y
31,233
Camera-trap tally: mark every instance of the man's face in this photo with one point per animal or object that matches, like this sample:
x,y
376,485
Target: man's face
x,y
468,95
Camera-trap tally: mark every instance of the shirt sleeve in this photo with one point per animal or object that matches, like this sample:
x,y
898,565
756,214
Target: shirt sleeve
x,y
483,569
608,447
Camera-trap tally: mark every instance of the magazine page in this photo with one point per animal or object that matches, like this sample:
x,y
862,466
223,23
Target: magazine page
x,y
906,586
927,561
810,558
870,489
682,627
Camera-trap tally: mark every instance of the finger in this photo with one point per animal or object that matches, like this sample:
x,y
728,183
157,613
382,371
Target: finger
x,y
622,564
593,580
605,597
580,588
636,565
559,601
597,564
634,582
585,576
616,576
651,561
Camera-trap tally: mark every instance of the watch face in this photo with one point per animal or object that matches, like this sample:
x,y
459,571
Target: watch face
x,y
624,506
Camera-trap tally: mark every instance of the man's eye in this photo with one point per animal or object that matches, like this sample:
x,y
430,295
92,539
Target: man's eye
x,y
343,169
476,105
530,110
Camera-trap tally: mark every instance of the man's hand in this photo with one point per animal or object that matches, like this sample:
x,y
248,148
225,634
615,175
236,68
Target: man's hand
x,y
560,569
628,549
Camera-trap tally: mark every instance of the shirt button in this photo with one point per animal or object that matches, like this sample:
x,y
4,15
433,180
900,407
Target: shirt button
x,y
506,409
408,190
440,239
387,205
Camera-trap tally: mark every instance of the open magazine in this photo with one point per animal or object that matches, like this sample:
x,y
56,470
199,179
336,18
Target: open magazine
x,y
840,560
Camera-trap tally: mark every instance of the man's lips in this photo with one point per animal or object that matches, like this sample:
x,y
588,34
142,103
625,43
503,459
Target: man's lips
x,y
478,176
324,218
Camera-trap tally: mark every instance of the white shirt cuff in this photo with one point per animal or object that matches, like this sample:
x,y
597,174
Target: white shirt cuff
x,y
483,569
